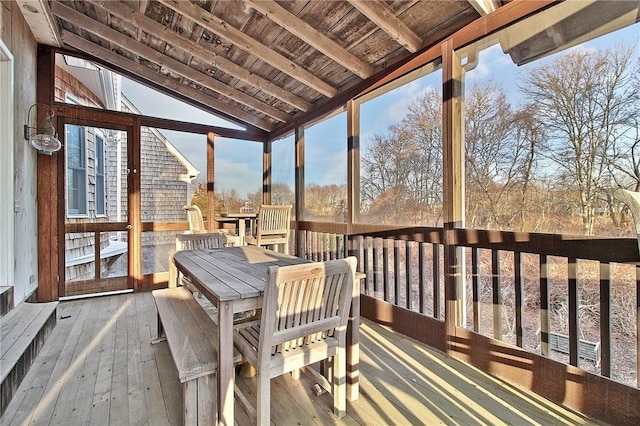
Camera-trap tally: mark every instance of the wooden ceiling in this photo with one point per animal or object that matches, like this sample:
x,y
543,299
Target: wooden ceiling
x,y
257,63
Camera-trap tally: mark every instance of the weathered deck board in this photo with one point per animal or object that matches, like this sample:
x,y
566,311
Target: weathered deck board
x,y
102,356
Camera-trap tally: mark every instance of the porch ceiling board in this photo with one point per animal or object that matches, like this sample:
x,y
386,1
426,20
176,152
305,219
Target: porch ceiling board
x,y
262,64
172,65
217,61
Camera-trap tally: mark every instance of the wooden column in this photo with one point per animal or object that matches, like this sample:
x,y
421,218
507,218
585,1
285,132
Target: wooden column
x,y
453,182
50,199
299,184
210,179
353,214
353,163
267,177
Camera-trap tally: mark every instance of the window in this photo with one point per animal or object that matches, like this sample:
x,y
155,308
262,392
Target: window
x,y
100,178
76,170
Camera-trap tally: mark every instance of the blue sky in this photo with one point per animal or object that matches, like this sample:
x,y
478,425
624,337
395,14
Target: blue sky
x,y
239,163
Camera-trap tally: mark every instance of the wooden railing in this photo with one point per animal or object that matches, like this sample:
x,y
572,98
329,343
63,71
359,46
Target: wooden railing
x,y
404,268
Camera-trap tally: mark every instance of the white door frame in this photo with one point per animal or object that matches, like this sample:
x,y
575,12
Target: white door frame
x,y
7,129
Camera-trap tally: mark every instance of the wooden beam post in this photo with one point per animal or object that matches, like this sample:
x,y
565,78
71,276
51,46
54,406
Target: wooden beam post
x,y
267,172
453,183
299,185
211,195
353,163
50,203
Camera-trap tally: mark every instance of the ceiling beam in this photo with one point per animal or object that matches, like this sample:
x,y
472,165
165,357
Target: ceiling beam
x,y
148,25
158,79
142,50
484,7
250,45
311,36
379,13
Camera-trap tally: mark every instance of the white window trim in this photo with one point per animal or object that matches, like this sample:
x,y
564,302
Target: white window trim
x,y
7,128
72,100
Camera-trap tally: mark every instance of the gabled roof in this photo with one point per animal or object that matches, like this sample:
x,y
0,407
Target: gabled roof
x,y
257,63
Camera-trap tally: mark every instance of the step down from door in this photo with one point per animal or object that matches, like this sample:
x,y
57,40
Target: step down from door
x,y
23,332
6,300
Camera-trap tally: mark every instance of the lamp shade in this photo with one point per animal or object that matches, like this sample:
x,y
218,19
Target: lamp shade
x,y
46,144
45,141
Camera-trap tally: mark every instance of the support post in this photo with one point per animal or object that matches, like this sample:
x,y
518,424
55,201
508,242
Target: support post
x,y
453,184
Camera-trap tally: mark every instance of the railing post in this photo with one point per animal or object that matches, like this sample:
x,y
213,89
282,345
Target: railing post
x,y
518,282
475,278
453,183
573,311
544,305
497,294
605,319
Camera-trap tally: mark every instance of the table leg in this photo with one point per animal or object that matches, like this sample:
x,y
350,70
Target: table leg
x,y
226,377
353,345
173,271
242,230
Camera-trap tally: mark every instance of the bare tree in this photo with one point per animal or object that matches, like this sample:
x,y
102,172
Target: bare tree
x,y
586,100
402,170
501,148
281,194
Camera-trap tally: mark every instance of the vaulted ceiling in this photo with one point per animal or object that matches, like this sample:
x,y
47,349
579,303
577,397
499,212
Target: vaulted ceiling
x,y
258,63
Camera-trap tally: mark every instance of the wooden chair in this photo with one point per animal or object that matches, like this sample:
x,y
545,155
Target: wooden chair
x,y
304,321
632,200
272,227
196,242
194,216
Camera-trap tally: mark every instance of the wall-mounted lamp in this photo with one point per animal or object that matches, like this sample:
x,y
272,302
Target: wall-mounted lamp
x,y
45,141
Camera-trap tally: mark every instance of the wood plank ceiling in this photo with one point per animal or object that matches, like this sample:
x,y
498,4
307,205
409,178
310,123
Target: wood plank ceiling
x,y
258,63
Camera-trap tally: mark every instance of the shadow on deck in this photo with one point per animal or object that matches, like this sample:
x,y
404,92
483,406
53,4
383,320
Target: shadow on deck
x,y
99,367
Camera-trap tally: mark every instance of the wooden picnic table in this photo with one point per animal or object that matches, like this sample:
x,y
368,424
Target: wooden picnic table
x,y
233,279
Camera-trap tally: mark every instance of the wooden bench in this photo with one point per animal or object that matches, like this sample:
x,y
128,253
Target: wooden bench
x,y
191,335
586,349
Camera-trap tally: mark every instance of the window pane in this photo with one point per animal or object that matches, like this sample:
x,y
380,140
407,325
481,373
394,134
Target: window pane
x,y
326,170
283,169
76,170
238,173
100,185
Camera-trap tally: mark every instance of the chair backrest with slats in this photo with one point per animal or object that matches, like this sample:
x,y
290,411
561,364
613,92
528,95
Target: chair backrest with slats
x,y
274,221
200,241
306,303
194,216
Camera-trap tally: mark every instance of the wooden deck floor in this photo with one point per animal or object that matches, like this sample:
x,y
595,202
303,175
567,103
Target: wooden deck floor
x,y
98,367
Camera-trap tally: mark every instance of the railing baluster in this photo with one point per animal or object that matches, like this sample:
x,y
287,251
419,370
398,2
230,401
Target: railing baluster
x,y
421,275
366,264
436,280
376,268
573,311
497,294
518,281
544,305
605,319
396,271
637,326
475,284
96,242
385,269
409,273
